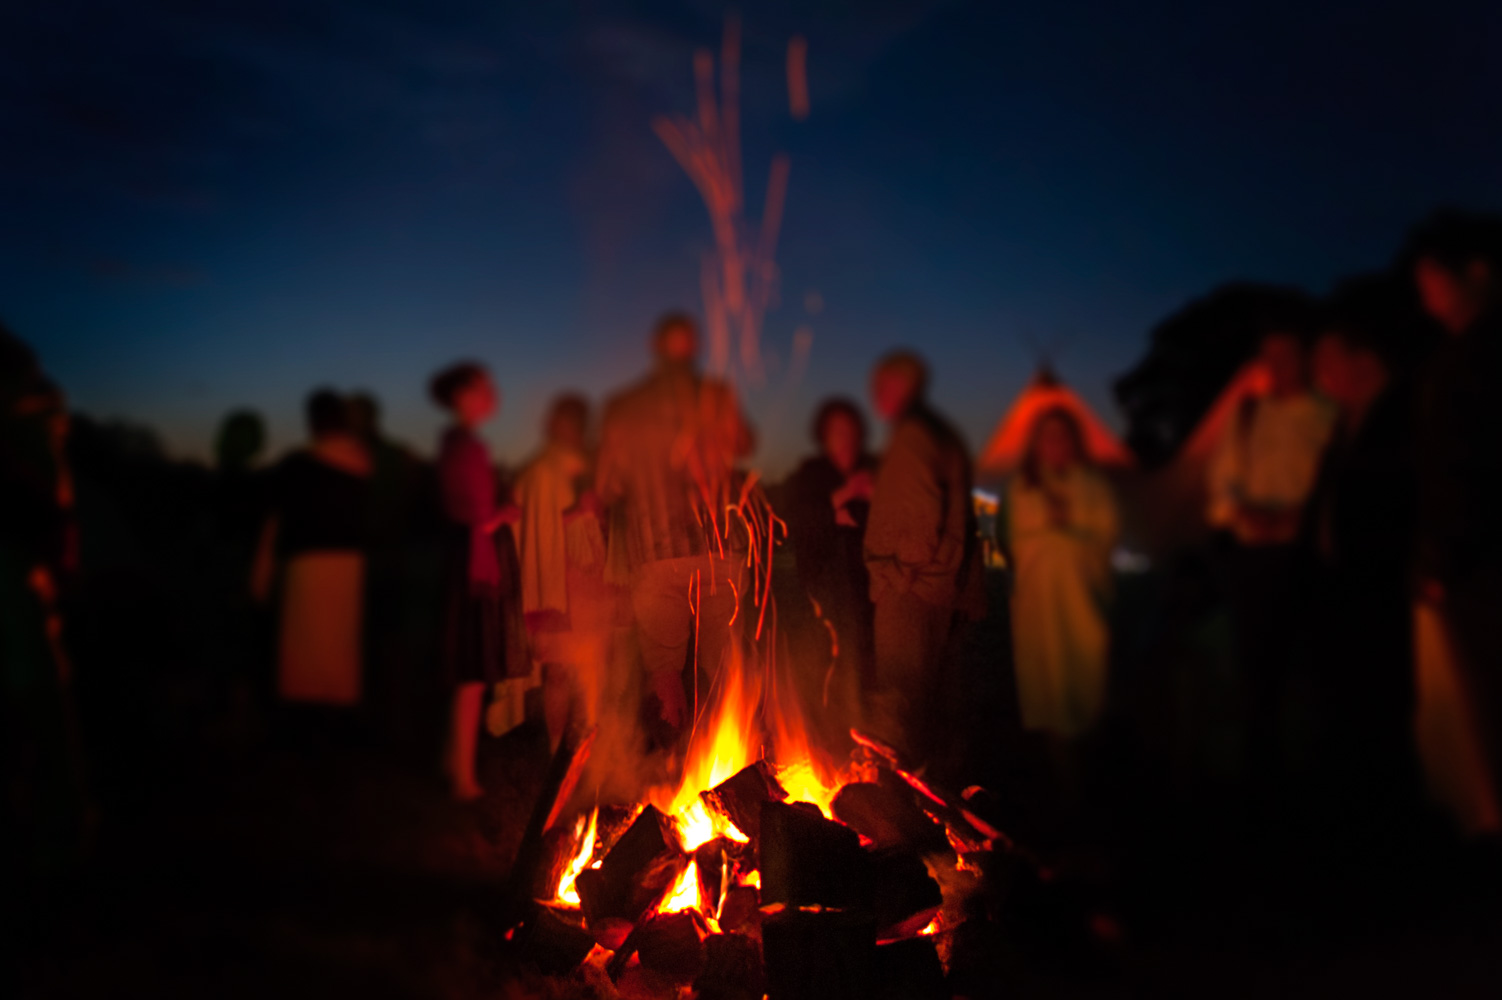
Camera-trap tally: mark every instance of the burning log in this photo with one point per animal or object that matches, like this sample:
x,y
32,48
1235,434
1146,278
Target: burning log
x,y
638,872
552,941
739,909
558,785
904,896
807,860
828,955
910,970
887,815
732,969
670,944
739,797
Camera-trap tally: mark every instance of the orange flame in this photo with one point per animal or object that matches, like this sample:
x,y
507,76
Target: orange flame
x,y
566,893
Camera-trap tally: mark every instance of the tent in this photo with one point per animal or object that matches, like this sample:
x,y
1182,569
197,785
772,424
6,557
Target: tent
x,y
1045,392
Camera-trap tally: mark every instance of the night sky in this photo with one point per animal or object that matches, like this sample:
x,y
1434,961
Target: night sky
x,y
218,204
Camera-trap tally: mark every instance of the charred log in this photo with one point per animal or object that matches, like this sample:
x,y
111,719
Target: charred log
x,y
740,909
634,876
555,942
807,860
888,815
732,969
904,896
739,797
558,786
827,955
910,970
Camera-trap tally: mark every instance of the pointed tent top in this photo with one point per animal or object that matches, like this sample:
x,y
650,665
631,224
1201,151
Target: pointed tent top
x,y
1045,392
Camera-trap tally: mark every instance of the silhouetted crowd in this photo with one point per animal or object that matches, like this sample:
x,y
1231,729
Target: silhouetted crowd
x,y
1352,501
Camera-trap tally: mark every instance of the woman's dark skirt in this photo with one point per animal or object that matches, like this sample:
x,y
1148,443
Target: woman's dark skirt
x,y
484,635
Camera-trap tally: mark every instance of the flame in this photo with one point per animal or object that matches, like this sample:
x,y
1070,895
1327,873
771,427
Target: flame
x,y
932,928
566,893
753,880
685,895
804,784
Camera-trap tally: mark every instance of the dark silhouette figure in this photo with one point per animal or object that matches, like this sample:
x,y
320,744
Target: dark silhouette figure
x,y
1456,263
827,502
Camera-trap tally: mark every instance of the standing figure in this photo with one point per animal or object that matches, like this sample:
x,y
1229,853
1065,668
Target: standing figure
x,y
1062,522
828,501
1358,531
1458,270
567,604
484,641
1260,476
316,535
667,459
921,550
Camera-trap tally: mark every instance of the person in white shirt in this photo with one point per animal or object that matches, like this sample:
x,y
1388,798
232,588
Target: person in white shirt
x,y
1260,476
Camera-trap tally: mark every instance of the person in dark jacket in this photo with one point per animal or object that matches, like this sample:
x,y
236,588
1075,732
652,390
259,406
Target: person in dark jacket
x,y
1457,266
1357,534
828,501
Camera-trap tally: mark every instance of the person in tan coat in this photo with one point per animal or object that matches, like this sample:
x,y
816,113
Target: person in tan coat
x,y
920,549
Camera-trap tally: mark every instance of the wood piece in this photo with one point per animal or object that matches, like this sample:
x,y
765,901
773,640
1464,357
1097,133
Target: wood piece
x,y
910,970
827,955
673,944
639,870
740,909
558,785
739,797
732,969
807,860
905,896
888,815
559,845
555,941
713,865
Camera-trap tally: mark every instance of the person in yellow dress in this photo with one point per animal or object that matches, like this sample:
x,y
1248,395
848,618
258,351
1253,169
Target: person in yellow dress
x,y
1062,522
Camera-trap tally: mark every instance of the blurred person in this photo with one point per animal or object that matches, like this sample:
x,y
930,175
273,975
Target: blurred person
x,y
1457,267
1260,477
669,446
568,605
1062,526
313,550
46,810
1358,528
394,633
828,502
921,551
238,504
484,642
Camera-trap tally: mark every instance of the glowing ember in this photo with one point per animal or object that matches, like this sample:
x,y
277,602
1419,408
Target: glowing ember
x,y
932,928
585,832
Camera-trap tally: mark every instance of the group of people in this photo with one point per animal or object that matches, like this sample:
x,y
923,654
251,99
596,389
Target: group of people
x,y
1351,499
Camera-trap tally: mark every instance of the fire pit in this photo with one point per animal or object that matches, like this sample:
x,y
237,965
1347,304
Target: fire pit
x,y
756,876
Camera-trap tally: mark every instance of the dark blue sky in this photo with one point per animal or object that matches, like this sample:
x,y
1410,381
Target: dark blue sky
x,y
217,204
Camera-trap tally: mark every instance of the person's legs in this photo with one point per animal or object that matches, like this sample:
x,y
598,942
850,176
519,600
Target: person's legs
x,y
661,595
910,635
464,736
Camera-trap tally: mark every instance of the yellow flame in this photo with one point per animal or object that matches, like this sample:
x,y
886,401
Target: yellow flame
x,y
932,928
566,892
685,895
